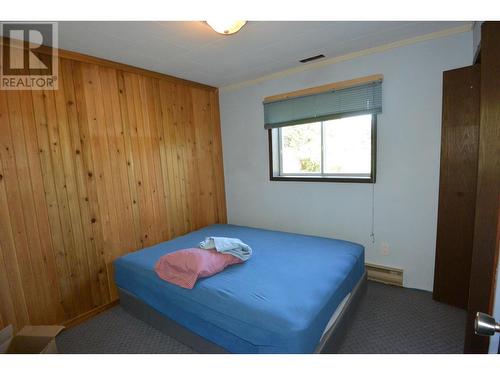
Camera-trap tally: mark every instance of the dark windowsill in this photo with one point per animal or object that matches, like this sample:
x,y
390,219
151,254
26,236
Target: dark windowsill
x,y
369,180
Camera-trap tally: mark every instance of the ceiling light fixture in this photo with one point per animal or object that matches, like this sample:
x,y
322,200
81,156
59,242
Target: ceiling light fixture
x,y
226,27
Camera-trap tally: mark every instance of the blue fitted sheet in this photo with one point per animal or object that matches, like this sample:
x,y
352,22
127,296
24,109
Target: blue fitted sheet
x,y
279,301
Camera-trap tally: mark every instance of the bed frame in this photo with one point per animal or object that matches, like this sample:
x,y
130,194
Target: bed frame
x,y
330,343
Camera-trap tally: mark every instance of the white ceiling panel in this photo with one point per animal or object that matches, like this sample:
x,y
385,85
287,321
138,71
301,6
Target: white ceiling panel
x,y
192,50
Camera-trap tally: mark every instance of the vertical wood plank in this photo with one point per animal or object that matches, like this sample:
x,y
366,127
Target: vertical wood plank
x,y
117,174
39,213
140,167
105,177
150,92
7,309
83,81
204,155
172,155
217,158
15,208
76,209
164,167
145,147
126,114
60,241
183,160
77,150
13,289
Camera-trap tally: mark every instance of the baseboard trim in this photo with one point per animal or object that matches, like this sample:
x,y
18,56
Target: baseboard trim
x,y
384,274
90,314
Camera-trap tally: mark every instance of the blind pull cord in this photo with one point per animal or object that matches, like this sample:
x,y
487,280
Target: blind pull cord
x,y
372,234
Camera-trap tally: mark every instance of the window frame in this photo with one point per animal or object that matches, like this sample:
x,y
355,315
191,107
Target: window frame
x,y
321,177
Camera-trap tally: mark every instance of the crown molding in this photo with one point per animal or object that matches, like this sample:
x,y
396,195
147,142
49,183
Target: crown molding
x,y
350,56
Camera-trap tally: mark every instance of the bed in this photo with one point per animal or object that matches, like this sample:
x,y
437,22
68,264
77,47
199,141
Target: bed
x,y
295,295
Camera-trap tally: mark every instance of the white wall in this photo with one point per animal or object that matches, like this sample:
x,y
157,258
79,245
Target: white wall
x,y
406,192
476,37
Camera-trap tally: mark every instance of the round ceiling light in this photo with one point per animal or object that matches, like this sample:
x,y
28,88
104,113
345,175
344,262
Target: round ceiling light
x,y
226,27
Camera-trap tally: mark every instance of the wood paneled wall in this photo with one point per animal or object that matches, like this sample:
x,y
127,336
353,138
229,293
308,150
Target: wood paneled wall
x,y
115,160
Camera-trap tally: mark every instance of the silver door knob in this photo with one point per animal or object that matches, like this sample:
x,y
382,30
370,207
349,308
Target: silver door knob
x,y
485,325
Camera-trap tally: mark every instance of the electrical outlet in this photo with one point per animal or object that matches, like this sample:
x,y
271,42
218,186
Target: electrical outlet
x,y
385,249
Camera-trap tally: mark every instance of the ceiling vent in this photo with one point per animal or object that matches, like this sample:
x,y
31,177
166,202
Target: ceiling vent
x,y
312,58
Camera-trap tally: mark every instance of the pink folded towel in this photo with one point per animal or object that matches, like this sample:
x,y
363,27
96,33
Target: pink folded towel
x,y
185,266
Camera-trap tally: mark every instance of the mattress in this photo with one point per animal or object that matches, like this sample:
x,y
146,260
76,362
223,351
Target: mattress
x,y
279,301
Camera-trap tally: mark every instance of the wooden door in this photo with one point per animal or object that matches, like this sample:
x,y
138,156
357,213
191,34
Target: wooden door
x,y
457,185
485,249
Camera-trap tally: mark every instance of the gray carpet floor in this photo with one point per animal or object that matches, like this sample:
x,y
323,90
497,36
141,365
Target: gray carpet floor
x,y
388,320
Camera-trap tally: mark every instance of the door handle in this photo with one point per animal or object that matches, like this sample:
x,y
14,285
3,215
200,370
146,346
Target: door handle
x,y
485,325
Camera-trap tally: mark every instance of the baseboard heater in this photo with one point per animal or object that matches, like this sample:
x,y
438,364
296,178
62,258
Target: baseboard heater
x,y
384,274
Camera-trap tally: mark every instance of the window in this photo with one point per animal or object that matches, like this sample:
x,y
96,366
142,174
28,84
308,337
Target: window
x,y
325,133
340,150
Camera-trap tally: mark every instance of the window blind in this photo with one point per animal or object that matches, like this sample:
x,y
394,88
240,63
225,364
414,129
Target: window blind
x,y
357,100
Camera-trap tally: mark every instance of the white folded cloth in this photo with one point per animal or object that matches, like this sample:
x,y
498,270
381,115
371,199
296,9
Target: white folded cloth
x,y
233,246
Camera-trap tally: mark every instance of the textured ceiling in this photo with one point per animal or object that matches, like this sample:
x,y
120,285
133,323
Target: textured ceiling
x,y
193,51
